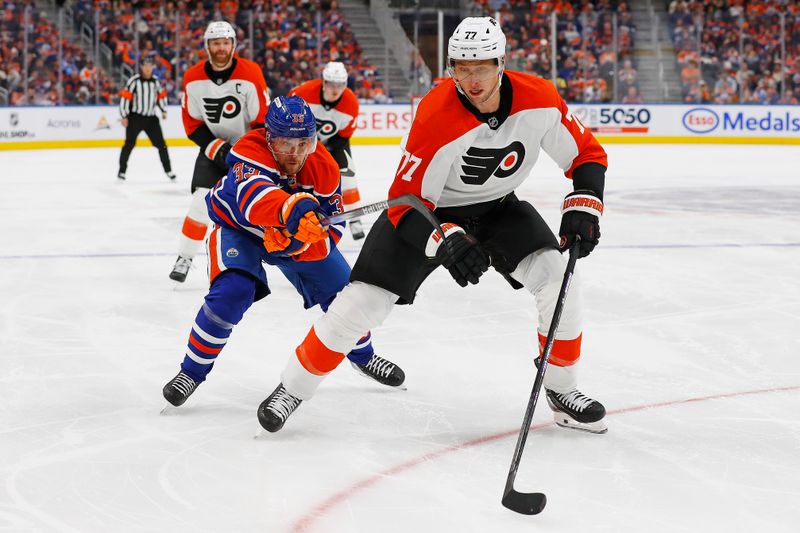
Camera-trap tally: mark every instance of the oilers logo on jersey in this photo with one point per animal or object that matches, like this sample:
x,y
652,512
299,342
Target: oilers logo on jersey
x,y
480,164
225,107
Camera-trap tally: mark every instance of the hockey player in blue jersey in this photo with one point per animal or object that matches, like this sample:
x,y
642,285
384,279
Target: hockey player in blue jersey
x,y
267,210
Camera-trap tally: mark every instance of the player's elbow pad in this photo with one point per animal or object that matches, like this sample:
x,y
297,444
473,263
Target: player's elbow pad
x,y
217,151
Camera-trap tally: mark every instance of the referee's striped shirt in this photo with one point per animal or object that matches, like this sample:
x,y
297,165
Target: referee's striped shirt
x,y
142,96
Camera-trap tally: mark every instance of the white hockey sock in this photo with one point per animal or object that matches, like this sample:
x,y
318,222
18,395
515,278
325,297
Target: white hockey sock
x,y
542,273
195,225
359,308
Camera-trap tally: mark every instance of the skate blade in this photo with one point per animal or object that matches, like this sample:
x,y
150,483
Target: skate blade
x,y
568,422
259,432
165,409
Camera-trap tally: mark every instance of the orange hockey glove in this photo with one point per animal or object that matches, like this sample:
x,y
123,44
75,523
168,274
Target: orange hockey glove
x,y
275,241
301,220
315,252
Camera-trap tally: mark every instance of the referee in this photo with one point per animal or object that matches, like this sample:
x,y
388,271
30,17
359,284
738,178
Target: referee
x,y
137,105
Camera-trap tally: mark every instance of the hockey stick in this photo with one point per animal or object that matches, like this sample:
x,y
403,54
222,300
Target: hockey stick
x,y
407,199
534,502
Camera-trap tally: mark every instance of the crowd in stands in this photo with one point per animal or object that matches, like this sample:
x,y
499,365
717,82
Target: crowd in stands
x,y
728,51
285,39
586,55
78,72
731,51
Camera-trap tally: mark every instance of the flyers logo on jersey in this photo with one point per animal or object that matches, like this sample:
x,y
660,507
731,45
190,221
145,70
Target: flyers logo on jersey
x,y
480,164
217,108
326,127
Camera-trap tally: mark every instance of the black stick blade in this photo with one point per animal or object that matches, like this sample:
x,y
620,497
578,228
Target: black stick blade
x,y
525,502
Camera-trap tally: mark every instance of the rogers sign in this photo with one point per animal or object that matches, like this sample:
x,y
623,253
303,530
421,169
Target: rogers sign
x,y
700,120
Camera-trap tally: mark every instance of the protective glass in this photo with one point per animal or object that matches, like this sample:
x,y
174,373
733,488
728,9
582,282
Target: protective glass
x,y
463,73
292,146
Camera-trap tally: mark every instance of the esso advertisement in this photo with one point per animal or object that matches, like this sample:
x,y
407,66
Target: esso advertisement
x,y
614,119
743,120
700,120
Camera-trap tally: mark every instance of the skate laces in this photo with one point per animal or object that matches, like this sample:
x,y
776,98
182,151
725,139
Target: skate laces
x,y
182,265
575,400
283,403
380,366
184,384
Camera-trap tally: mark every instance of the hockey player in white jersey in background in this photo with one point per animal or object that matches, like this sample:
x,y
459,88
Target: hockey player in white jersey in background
x,y
336,109
475,138
223,98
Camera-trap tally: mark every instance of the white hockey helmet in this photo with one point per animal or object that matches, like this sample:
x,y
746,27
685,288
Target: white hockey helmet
x,y
334,72
219,29
475,39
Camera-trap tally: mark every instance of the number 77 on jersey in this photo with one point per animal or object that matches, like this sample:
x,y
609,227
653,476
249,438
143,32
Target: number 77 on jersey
x,y
408,165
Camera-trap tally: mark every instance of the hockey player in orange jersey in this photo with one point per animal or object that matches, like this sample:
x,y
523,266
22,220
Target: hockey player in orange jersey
x,y
223,98
474,139
336,109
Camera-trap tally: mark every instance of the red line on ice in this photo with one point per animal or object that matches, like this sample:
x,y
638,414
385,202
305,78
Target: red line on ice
x,y
307,521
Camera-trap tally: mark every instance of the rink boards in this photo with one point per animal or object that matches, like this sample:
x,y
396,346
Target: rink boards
x,y
23,128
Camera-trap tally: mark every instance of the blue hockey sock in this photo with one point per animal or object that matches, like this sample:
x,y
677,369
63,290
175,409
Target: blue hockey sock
x,y
230,296
363,350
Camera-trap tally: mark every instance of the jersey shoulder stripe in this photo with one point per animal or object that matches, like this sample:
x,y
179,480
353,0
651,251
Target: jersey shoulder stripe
x,y
348,104
249,71
252,149
320,172
532,92
308,91
194,73
439,120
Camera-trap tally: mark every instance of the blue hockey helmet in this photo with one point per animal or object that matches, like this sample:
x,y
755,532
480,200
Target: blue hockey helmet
x,y
290,116
291,131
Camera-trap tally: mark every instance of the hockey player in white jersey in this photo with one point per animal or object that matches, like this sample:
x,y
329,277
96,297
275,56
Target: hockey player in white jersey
x,y
223,98
474,139
336,108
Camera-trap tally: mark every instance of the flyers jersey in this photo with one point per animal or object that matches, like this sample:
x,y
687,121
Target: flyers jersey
x,y
451,158
229,109
337,120
250,197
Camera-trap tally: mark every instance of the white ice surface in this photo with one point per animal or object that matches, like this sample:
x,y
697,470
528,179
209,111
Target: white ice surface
x,y
693,294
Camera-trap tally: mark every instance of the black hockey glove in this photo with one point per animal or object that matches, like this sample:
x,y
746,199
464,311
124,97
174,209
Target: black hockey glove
x,y
461,254
580,217
217,151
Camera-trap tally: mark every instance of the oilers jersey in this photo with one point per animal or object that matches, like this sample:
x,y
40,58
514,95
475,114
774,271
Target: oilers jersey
x,y
338,119
454,158
250,197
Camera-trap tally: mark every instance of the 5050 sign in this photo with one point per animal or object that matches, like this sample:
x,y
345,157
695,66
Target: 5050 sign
x,y
615,119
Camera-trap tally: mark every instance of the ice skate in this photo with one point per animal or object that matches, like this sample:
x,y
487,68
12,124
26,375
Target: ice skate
x,y
179,388
181,269
121,176
170,175
275,410
575,410
383,371
356,229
